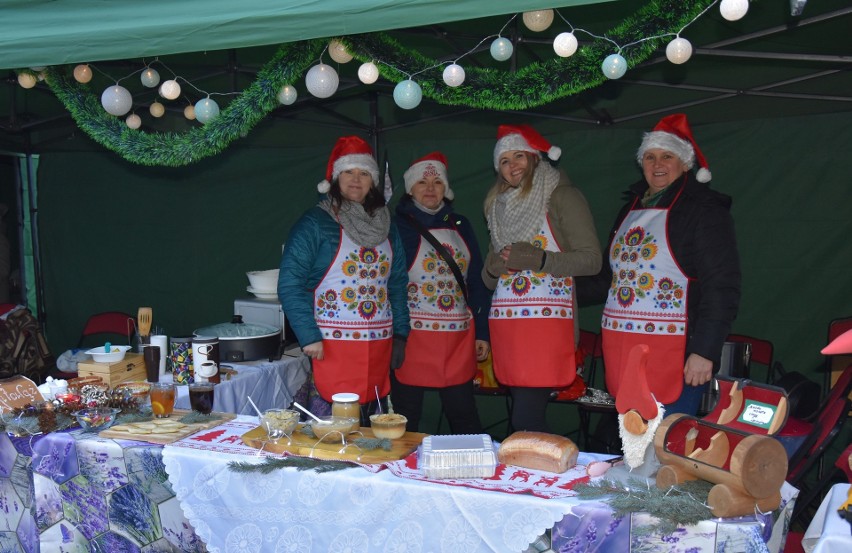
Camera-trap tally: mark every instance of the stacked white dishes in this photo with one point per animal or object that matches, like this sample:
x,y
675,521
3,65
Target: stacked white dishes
x,y
263,284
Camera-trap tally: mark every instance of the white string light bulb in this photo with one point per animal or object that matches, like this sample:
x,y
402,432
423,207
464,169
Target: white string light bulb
x,y
407,94
454,75
189,112
116,100
338,51
206,110
287,95
368,73
83,73
565,44
322,80
733,10
170,90
157,109
614,66
27,80
679,51
133,121
501,49
150,77
539,20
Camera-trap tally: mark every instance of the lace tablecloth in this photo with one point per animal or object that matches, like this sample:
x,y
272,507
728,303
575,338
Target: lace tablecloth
x,y
360,511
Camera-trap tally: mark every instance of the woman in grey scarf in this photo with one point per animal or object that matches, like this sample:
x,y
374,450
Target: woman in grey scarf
x,y
343,277
542,235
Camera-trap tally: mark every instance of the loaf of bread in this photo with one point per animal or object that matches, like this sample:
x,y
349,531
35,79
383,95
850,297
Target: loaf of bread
x,y
538,450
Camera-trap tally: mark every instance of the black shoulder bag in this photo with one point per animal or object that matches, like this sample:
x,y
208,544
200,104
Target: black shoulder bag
x,y
442,251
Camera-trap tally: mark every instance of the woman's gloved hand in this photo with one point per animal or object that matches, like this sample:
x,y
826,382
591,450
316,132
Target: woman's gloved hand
x,y
398,351
495,265
524,255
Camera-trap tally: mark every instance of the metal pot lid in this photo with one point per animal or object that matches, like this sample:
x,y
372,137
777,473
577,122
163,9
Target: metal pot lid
x,y
237,330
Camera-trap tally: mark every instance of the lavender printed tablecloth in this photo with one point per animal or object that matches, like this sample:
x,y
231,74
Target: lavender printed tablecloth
x,y
75,492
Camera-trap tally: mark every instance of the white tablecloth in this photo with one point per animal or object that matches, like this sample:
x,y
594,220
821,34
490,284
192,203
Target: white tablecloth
x,y
269,383
359,511
827,532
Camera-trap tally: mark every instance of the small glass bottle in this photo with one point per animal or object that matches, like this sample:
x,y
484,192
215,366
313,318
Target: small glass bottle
x,y
346,405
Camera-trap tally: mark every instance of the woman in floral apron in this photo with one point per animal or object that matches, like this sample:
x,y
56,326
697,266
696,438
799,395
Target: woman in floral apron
x,y
542,235
342,280
449,315
673,276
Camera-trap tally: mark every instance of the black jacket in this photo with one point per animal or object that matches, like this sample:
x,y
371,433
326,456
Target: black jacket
x,y
703,242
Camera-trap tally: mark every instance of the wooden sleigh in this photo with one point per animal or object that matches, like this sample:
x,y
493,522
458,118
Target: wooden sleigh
x,y
732,447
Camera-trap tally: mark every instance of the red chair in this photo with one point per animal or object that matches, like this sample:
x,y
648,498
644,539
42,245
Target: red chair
x,y
108,322
761,352
592,344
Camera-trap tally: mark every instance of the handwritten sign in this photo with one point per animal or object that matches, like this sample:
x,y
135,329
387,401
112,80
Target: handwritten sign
x,y
757,414
17,392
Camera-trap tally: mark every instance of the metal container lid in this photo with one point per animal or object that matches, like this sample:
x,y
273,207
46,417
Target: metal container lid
x,y
238,329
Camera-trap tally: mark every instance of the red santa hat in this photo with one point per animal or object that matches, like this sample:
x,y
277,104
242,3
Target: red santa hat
x,y
433,164
349,152
525,139
672,133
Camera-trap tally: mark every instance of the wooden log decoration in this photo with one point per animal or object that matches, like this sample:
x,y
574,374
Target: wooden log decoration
x,y
748,477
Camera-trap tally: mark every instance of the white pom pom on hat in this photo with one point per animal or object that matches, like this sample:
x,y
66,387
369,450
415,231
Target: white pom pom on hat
x,y
434,164
523,138
673,133
349,152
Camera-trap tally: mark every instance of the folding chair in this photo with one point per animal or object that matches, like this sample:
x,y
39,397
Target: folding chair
x,y
108,323
592,343
761,352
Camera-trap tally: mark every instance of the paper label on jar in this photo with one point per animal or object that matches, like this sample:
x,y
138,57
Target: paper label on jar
x,y
757,414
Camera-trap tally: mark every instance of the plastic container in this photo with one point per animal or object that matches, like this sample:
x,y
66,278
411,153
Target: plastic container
x,y
458,456
390,426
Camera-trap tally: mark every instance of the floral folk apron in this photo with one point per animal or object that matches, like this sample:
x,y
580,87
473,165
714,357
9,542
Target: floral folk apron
x,y
441,346
353,313
646,304
532,325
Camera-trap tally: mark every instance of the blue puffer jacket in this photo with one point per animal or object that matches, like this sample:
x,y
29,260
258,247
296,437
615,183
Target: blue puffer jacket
x,y
310,249
478,295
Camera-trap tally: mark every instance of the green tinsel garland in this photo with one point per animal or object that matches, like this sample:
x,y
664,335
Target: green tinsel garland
x,y
534,85
299,463
684,504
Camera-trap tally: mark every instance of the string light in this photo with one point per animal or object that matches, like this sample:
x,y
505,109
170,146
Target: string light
x,y
454,75
565,44
538,21
133,121
116,100
189,112
83,73
407,94
368,73
679,51
287,95
501,49
322,80
614,66
170,90
733,10
338,51
206,110
150,77
157,109
27,80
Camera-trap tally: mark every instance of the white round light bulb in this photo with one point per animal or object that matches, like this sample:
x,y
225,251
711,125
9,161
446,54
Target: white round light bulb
x,y
614,66
538,20
733,10
27,80
407,94
322,80
287,95
454,75
679,51
565,44
206,110
501,49
150,77
133,121
189,112
368,73
157,109
170,89
116,100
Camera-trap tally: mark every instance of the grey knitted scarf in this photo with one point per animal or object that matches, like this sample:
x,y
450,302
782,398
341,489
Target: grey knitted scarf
x,y
357,224
514,217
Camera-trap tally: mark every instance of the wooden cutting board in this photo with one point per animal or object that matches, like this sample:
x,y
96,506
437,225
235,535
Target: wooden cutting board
x,y
169,438
307,446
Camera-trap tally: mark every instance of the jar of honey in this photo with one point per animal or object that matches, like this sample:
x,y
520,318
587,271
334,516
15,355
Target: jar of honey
x,y
346,405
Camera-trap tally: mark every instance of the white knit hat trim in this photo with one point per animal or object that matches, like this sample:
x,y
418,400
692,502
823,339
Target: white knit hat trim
x,y
418,170
510,143
352,161
667,141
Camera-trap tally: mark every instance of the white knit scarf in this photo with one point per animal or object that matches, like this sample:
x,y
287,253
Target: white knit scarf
x,y
358,225
514,217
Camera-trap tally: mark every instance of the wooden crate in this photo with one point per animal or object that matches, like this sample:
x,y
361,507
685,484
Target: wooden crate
x,y
131,368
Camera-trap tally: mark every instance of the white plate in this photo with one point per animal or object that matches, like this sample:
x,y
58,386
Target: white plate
x,y
264,294
116,353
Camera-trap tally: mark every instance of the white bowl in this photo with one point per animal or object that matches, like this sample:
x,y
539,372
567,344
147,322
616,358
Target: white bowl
x,y
264,281
263,294
116,353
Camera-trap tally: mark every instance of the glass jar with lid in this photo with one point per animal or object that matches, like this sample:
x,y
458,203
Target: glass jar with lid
x,y
346,405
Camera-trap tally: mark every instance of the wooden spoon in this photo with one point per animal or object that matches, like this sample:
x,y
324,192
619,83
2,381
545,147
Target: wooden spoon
x,y
144,321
